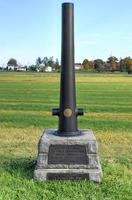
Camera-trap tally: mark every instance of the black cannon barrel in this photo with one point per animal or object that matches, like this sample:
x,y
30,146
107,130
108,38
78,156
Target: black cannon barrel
x,y
67,112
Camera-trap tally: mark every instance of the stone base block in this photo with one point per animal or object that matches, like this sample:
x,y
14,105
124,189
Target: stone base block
x,y
68,174
68,157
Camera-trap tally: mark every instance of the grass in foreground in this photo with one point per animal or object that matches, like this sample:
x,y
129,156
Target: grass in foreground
x,y
25,104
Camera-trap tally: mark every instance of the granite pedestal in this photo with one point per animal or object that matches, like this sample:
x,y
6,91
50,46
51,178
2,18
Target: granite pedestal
x,y
68,157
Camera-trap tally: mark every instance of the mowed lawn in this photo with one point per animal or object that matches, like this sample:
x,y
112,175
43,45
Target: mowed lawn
x,y
26,101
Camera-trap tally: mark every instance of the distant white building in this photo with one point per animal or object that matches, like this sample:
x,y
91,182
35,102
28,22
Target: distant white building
x,y
16,68
48,69
78,66
24,69
11,67
41,68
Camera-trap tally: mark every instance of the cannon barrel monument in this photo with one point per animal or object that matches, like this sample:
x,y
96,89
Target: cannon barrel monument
x,y
67,152
67,112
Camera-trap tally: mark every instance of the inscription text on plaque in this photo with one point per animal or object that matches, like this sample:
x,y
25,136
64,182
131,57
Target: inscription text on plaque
x,y
67,154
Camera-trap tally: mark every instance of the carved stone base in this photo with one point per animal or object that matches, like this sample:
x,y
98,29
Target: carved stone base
x,y
68,157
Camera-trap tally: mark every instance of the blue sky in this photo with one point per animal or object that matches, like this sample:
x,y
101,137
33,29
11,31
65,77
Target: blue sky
x,y
32,28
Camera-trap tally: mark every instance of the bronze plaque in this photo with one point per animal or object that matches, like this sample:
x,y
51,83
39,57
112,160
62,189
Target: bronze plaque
x,y
67,154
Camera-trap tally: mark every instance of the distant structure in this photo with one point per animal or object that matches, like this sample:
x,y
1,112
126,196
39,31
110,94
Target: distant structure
x,y
43,68
48,69
16,68
11,68
78,66
24,69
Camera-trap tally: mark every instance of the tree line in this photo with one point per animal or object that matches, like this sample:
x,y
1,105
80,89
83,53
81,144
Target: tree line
x,y
98,65
112,64
40,64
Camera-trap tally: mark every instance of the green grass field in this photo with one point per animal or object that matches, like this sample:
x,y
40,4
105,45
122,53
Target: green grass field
x,y
26,101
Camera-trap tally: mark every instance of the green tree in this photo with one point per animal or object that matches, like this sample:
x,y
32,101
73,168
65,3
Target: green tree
x,y
123,65
99,65
12,62
57,66
45,61
112,58
33,68
39,61
51,62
